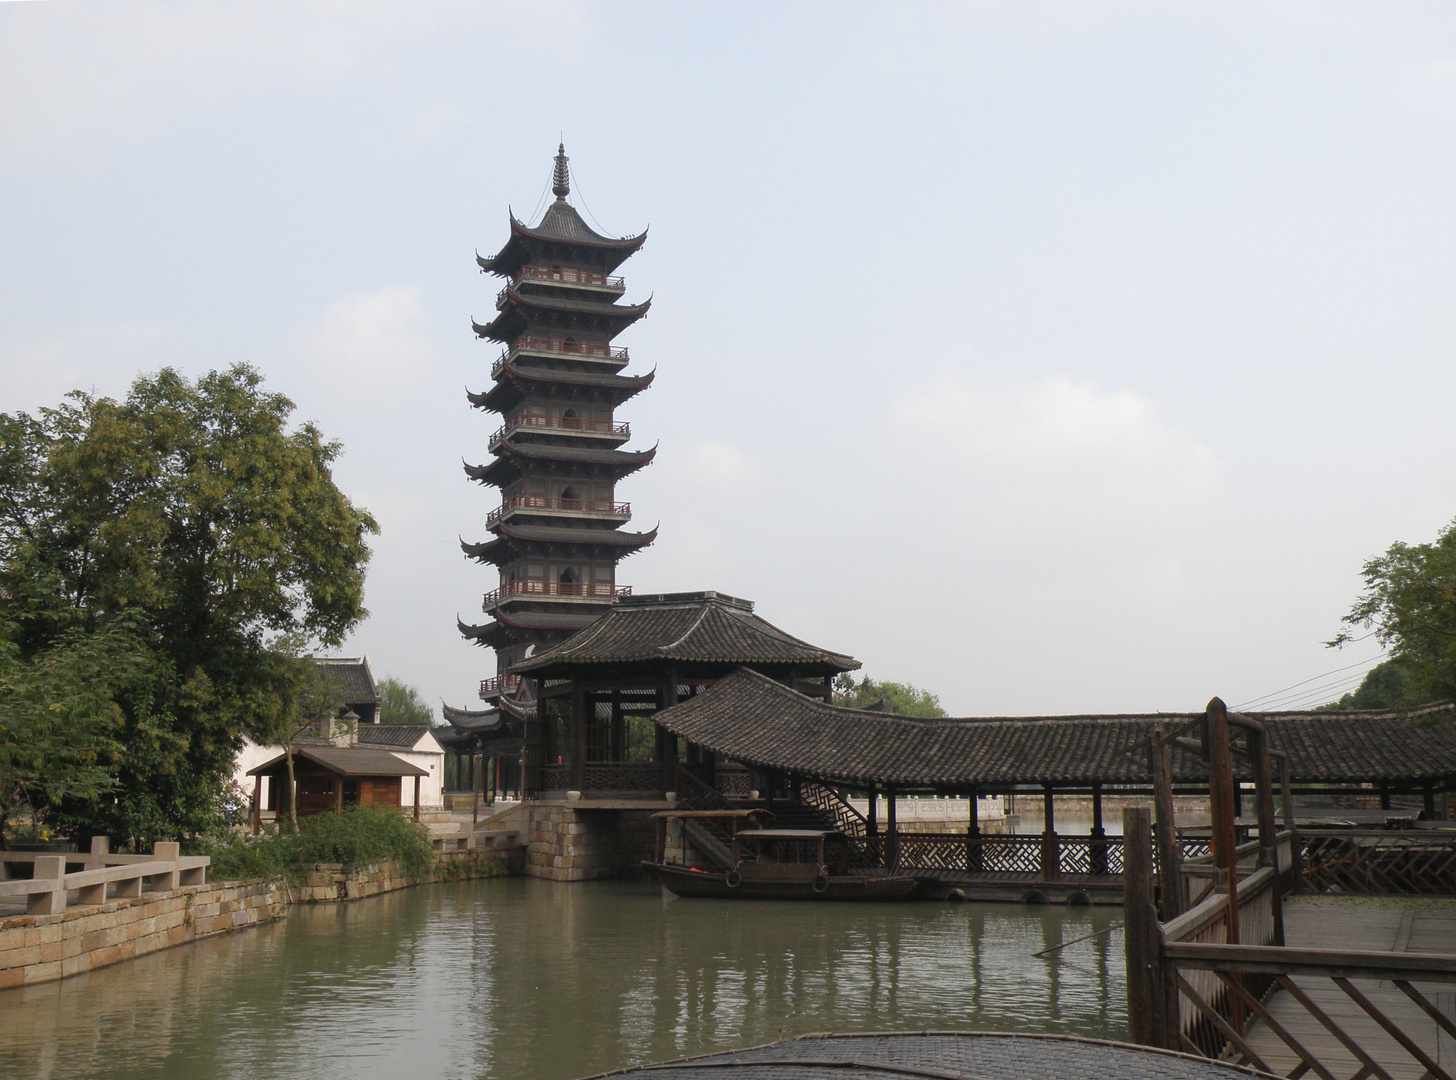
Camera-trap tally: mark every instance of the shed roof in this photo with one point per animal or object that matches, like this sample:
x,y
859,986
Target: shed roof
x,y
753,719
347,761
702,627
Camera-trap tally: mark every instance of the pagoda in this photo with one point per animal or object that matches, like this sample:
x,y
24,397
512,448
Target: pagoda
x,y
557,535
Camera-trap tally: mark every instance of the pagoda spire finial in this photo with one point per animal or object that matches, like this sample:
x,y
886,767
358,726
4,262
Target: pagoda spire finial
x,y
561,176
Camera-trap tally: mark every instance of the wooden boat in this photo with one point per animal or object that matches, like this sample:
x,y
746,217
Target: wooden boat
x,y
786,864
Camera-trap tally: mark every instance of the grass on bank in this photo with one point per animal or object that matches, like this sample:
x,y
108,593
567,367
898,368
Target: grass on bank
x,y
361,835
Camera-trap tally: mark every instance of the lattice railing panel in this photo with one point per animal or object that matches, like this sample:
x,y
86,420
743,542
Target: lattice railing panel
x,y
626,776
1384,863
555,777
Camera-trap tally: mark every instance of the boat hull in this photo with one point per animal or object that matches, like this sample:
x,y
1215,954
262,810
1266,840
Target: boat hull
x,y
688,882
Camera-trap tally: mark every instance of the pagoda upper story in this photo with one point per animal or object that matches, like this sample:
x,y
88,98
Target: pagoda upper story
x,y
559,449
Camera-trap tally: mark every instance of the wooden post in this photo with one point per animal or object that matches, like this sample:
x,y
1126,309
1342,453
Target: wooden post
x,y
975,859
1097,852
872,819
338,794
1296,850
257,804
1147,1000
1384,795
475,781
1258,744
1051,857
1221,800
417,797
1165,824
1428,800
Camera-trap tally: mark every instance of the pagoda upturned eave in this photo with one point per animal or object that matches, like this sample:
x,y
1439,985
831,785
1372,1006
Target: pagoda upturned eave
x,y
514,542
576,460
561,233
603,316
508,390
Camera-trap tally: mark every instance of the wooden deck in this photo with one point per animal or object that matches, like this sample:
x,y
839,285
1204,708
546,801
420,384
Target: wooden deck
x,y
1377,924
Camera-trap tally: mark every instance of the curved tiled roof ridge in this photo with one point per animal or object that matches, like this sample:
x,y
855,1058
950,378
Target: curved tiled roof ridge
x,y
561,222
751,718
687,628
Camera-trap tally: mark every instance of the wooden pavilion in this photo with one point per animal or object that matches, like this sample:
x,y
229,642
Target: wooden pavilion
x,y
597,692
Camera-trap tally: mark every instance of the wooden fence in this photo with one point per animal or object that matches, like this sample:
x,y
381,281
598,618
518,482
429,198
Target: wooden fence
x,y
46,891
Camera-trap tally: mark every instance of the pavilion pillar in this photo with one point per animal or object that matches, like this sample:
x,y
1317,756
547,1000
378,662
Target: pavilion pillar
x,y
1428,800
1384,796
577,768
1097,853
338,794
974,859
619,728
257,804
1257,742
1051,856
892,839
417,797
669,740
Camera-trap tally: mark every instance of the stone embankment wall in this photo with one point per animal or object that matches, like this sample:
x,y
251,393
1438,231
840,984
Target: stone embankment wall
x,y
326,883
41,948
567,844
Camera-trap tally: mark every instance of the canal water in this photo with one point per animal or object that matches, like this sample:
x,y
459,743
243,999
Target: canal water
x,y
524,979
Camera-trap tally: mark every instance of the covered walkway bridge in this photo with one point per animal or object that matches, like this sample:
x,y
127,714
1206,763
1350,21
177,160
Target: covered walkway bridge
x,y
798,745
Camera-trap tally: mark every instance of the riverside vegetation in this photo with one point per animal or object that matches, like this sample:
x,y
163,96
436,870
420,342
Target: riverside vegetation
x,y
360,836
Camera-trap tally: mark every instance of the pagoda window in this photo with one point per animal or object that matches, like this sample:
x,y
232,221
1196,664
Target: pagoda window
x,y
568,576
569,492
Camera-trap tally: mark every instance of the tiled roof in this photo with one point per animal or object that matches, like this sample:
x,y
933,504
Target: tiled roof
x,y
753,719
355,679
349,761
562,222
491,550
618,462
618,388
525,620
402,736
706,627
941,1054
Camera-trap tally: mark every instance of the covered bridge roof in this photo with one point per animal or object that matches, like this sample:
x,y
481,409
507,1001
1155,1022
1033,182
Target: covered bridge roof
x,y
751,718
683,628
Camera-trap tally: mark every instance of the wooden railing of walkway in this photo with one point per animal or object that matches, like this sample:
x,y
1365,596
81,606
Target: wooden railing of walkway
x,y
46,890
1217,978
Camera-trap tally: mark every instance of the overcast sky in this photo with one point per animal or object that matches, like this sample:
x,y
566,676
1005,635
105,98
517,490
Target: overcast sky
x,y
1053,357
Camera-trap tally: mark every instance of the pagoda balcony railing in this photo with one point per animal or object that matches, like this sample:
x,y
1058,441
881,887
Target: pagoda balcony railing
x,y
582,425
581,278
602,507
589,590
568,276
592,350
498,684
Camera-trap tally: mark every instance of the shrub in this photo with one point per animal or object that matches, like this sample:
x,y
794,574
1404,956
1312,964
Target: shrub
x,y
359,836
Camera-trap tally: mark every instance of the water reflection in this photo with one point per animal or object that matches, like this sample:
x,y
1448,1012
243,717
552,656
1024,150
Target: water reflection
x,y
519,978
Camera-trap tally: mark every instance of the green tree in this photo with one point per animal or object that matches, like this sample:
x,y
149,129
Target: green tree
x,y
196,506
1410,600
1385,686
58,720
403,704
892,697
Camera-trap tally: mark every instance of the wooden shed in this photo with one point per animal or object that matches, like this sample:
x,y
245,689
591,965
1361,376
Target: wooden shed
x,y
333,777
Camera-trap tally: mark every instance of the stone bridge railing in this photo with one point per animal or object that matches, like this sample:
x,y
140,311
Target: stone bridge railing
x,y
46,891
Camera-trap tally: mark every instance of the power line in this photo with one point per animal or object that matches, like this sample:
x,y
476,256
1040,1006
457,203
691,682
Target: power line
x,y
1277,693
